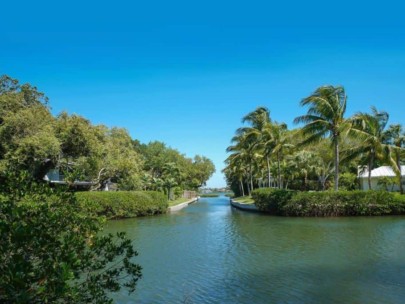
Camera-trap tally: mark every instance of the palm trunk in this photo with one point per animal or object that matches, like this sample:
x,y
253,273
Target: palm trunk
x,y
336,165
243,189
401,187
251,180
369,173
268,170
278,170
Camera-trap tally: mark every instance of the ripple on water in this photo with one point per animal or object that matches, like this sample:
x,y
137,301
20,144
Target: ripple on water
x,y
210,253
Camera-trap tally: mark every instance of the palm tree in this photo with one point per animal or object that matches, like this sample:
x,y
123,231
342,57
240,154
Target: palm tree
x,y
279,143
236,170
260,122
395,137
170,177
303,163
258,118
325,118
244,148
369,130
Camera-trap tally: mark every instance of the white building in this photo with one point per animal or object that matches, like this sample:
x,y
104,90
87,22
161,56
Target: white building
x,y
54,176
377,174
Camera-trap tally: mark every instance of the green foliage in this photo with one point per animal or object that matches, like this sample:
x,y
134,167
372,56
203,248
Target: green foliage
x,y
343,203
271,200
209,195
123,204
52,252
387,183
338,203
33,140
348,181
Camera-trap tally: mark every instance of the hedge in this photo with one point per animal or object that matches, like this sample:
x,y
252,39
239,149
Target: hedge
x,y
328,203
272,200
123,204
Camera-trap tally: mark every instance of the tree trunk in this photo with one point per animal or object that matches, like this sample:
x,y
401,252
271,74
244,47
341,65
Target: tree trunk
x,y
251,180
278,170
268,171
336,164
401,187
370,167
243,190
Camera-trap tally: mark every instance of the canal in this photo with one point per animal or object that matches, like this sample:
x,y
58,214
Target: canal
x,y
212,253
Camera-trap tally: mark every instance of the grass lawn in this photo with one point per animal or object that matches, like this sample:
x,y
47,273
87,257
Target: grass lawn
x,y
178,201
244,200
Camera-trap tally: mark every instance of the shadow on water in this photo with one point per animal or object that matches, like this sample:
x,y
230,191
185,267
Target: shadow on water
x,y
212,253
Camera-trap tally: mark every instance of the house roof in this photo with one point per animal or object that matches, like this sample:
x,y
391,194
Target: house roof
x,y
381,171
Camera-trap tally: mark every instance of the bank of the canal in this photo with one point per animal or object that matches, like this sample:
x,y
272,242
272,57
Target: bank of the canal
x,y
212,253
178,207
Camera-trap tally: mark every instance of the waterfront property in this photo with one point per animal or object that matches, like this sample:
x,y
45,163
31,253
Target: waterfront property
x,y
377,176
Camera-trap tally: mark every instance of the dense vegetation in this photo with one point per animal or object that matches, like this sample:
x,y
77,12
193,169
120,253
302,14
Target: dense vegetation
x,y
32,139
52,252
123,204
327,152
51,246
328,203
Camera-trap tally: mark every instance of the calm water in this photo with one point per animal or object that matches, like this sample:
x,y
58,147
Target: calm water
x,y
210,253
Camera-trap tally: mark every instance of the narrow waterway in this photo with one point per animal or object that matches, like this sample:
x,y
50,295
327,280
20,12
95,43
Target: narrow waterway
x,y
212,253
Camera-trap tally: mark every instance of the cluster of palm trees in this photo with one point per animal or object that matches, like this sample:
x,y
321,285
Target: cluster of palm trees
x,y
267,154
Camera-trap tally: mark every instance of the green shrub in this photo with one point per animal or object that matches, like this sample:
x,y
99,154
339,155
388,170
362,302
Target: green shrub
x,y
123,204
344,203
272,200
348,181
328,203
53,252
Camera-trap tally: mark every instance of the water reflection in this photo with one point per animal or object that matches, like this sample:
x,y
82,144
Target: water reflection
x,y
210,253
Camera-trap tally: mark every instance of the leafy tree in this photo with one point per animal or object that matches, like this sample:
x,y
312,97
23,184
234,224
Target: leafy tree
x,y
325,117
170,176
50,252
30,94
119,162
28,141
202,169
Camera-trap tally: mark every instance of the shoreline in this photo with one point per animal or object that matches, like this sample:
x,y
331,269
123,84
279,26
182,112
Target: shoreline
x,y
244,207
182,205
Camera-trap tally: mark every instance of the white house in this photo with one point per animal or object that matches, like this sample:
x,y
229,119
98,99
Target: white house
x,y
377,174
54,176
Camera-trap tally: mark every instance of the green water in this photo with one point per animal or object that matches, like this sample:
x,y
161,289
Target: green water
x,y
211,253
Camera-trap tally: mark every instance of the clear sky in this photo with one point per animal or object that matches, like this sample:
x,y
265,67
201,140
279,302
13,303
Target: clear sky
x,y
185,72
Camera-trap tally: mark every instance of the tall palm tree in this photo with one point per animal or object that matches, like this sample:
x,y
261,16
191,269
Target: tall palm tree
x,y
395,137
258,118
236,170
369,130
257,134
279,142
244,148
325,118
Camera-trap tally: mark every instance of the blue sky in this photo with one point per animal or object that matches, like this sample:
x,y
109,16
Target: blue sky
x,y
186,72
